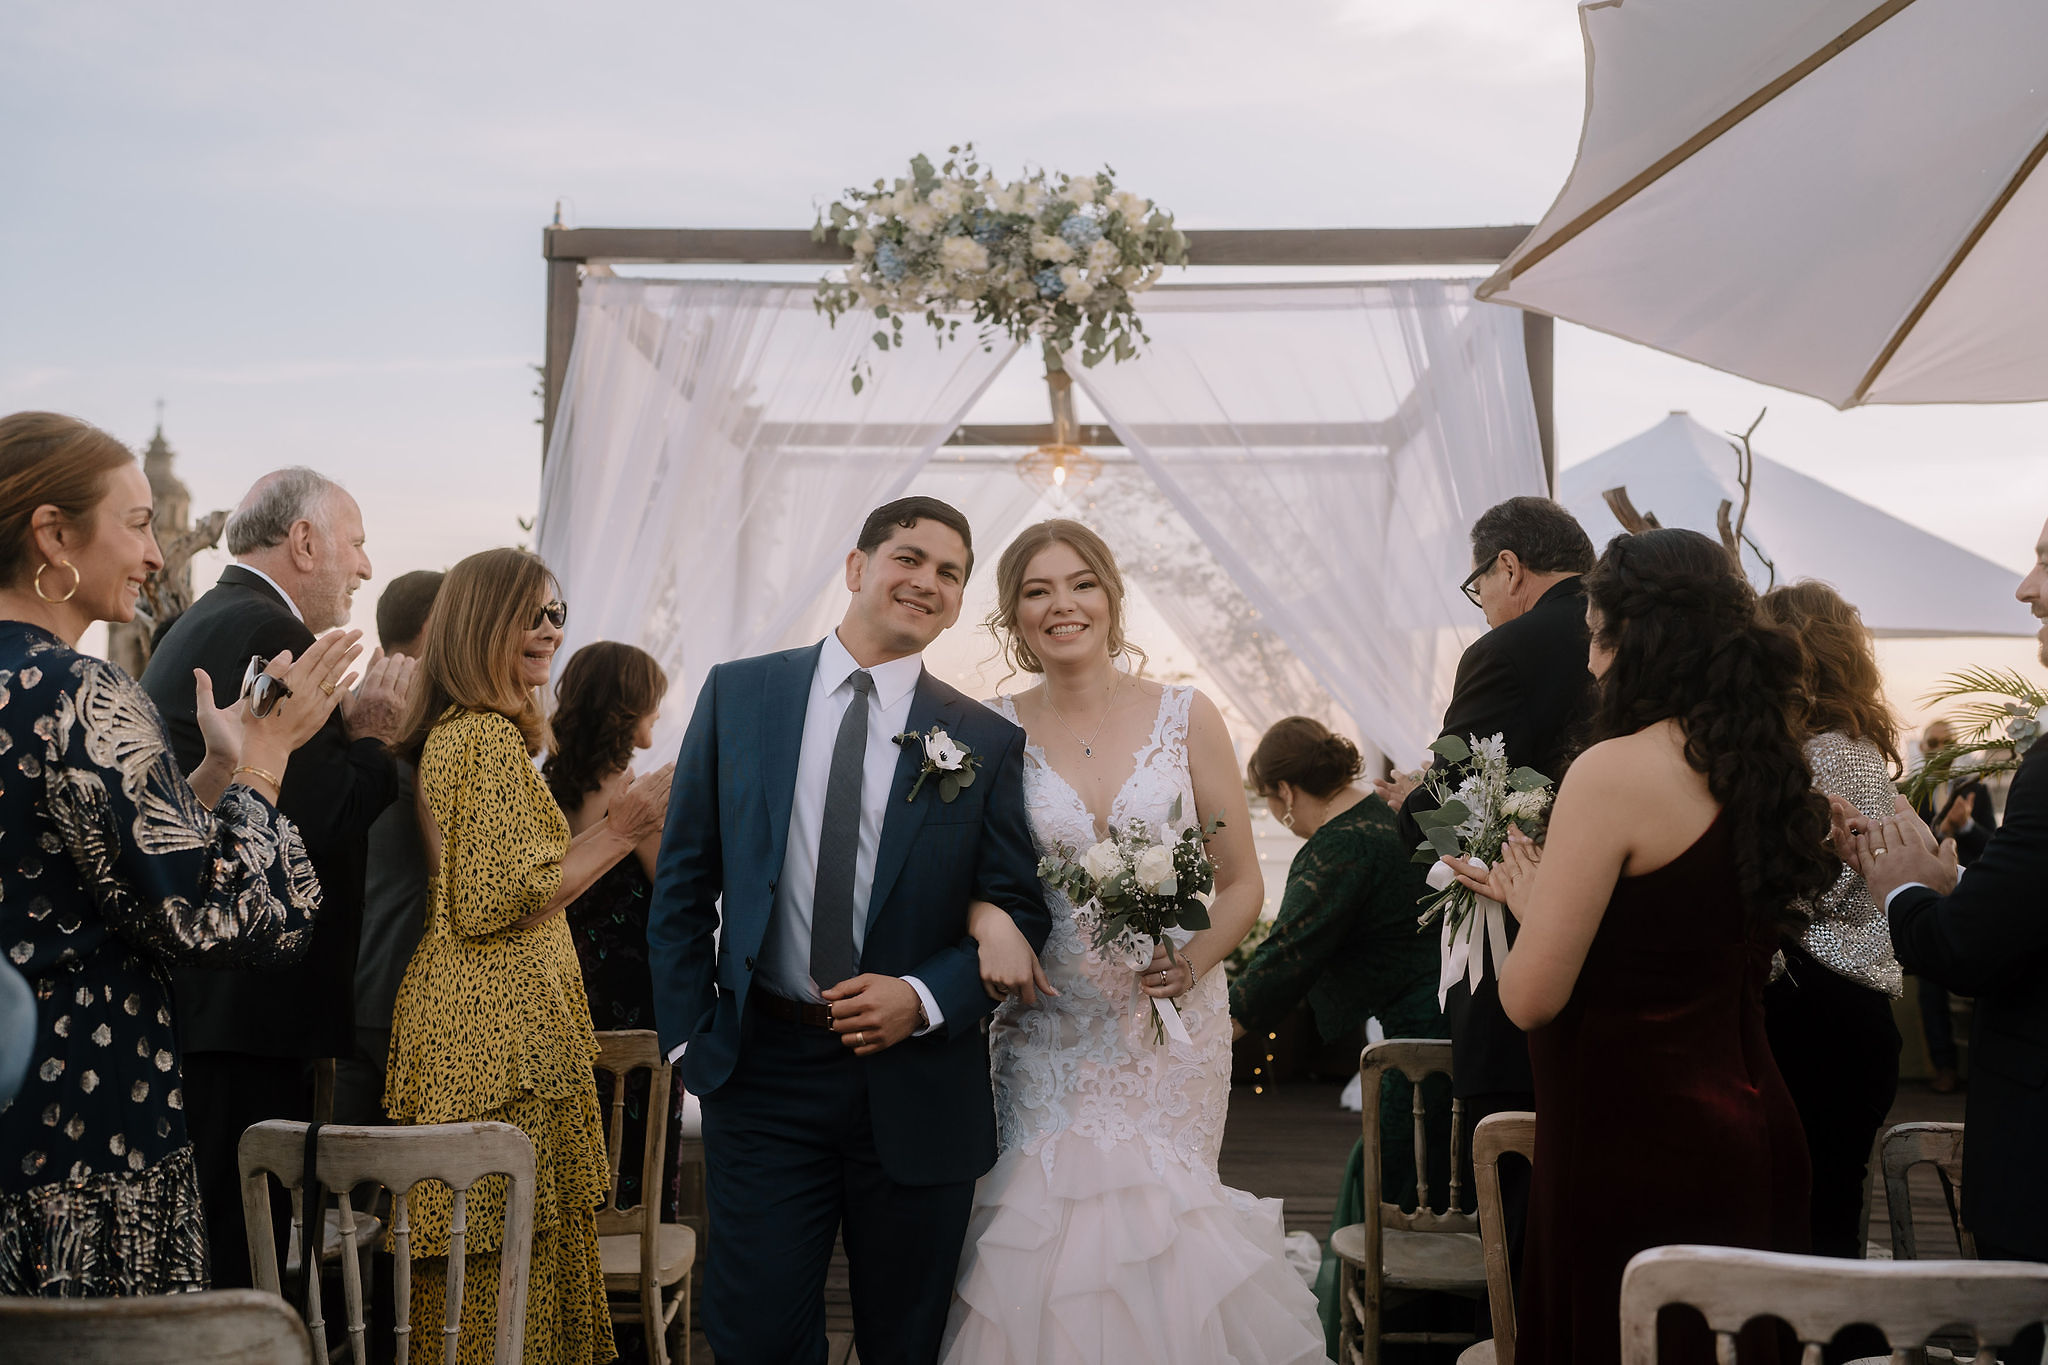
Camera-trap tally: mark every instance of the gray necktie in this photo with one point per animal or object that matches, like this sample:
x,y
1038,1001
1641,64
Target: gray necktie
x,y
839,843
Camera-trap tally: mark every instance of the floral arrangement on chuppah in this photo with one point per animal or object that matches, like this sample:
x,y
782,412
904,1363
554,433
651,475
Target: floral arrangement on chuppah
x,y
1052,256
1478,797
1130,888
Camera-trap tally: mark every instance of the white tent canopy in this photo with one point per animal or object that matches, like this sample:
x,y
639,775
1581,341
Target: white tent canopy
x,y
1905,581
1841,197
1305,466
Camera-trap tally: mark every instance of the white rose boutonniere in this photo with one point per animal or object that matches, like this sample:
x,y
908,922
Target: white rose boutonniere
x,y
945,758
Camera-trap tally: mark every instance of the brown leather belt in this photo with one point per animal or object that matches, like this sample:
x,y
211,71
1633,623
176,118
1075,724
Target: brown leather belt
x,y
793,1011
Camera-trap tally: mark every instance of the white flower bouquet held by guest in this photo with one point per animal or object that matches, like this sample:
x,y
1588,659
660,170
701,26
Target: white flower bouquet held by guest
x,y
1133,886
1479,799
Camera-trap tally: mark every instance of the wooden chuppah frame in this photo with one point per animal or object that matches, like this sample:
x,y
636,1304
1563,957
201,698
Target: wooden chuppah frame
x,y
568,250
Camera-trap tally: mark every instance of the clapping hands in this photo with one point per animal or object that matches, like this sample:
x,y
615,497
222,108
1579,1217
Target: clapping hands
x,y
1511,876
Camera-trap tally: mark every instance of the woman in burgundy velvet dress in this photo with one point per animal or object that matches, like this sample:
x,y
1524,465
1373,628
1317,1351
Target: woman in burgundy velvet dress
x,y
1679,842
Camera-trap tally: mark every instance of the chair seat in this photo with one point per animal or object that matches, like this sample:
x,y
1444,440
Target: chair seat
x,y
675,1251
1447,1261
1478,1353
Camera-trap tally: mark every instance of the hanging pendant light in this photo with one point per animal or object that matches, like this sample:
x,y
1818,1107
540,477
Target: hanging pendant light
x,y
1063,466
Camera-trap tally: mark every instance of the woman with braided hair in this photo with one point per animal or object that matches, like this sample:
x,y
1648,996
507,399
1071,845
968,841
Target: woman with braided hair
x,y
1681,842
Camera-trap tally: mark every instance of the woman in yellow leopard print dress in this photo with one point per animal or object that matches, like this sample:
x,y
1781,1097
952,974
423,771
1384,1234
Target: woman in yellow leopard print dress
x,y
491,1020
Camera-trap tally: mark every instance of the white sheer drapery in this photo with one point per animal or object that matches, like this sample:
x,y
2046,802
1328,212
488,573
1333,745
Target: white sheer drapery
x,y
710,465
1331,445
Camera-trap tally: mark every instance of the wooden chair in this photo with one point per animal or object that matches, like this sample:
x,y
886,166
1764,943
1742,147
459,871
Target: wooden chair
x,y
220,1327
457,1154
1395,1252
1819,1295
1497,1135
1905,1146
642,1255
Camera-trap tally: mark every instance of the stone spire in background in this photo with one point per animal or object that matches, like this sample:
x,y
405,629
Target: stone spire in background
x,y
170,589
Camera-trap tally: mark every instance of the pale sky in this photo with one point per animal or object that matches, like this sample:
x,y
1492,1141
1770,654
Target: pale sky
x,y
315,232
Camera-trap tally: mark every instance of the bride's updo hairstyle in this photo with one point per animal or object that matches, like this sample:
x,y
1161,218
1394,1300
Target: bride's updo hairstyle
x,y
1094,552
1689,646
1303,752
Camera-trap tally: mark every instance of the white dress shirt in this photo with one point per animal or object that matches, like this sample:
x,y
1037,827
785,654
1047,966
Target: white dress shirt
x,y
246,567
785,960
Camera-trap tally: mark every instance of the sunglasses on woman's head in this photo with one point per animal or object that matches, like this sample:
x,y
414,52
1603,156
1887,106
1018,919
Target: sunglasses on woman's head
x,y
263,692
556,611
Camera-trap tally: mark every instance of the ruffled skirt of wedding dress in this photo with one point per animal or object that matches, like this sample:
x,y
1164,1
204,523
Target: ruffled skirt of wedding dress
x,y
1108,1262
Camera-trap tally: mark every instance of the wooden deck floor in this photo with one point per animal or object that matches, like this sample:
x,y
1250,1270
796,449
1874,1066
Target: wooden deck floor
x,y
1291,1143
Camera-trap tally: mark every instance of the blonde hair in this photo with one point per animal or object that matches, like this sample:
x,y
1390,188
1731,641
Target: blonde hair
x,y
1094,552
470,659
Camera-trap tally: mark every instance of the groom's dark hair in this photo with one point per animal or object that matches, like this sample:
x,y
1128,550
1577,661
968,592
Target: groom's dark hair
x,y
908,512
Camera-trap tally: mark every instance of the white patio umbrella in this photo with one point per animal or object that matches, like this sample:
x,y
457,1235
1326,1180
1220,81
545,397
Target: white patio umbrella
x,y
1839,197
1906,582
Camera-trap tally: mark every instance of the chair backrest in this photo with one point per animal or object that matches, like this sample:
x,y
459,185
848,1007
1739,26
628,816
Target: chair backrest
x,y
1496,1135
456,1154
1905,1146
620,1054
1819,1295
219,1327
1417,1059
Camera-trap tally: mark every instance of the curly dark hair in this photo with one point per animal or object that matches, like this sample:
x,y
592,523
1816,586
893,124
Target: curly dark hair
x,y
602,696
1689,646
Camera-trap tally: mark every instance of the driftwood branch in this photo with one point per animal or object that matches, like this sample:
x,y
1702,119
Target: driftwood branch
x,y
1632,521
169,590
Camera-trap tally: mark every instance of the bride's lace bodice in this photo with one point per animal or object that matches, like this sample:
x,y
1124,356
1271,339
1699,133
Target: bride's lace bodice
x,y
1084,1065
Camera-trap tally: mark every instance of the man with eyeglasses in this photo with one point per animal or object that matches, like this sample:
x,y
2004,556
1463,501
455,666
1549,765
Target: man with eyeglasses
x,y
1525,680
250,1038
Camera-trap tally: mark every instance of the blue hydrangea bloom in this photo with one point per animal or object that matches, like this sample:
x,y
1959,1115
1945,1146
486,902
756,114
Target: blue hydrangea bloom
x,y
1081,231
1049,283
990,230
889,260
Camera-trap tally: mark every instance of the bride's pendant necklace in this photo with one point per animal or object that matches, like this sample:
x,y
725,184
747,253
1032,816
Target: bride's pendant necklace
x,y
1088,744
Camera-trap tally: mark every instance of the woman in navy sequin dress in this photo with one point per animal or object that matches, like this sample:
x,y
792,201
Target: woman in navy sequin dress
x,y
113,866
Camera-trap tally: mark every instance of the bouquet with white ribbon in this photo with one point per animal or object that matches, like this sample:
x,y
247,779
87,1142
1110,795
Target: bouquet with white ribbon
x,y
1129,889
1478,797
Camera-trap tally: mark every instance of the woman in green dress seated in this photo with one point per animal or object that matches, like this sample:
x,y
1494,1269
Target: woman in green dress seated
x,y
1346,941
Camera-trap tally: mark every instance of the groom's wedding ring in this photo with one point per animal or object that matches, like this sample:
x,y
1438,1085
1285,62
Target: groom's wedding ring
x,y
860,1039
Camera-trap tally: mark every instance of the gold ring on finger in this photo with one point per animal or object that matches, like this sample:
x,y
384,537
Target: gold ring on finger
x,y
328,688
860,1039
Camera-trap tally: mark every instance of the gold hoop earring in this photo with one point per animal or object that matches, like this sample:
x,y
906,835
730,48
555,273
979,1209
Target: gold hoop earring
x,y
37,582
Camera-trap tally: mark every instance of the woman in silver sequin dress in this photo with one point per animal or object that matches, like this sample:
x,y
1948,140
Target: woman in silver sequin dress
x,y
112,866
1829,1013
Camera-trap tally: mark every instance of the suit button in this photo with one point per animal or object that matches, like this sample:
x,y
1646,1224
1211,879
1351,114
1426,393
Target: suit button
x,y
750,964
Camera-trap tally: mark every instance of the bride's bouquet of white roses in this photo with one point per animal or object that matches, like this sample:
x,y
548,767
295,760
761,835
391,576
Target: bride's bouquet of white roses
x,y
1478,797
1133,886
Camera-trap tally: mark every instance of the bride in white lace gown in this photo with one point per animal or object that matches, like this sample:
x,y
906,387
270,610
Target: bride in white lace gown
x,y
1103,1235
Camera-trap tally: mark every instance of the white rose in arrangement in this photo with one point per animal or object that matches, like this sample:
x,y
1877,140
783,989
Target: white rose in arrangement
x,y
1128,276
943,753
1102,256
1054,249
1155,870
1007,199
922,219
1079,192
962,253
949,198
864,246
1103,861
1525,805
1133,207
1075,286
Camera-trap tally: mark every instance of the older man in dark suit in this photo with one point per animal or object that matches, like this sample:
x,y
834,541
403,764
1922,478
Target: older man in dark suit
x,y
1985,934
249,1037
1525,680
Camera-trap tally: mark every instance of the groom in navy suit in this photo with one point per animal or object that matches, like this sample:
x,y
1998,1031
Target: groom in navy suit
x,y
812,968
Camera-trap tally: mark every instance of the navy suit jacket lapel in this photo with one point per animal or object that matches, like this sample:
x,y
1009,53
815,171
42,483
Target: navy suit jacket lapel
x,y
904,817
785,700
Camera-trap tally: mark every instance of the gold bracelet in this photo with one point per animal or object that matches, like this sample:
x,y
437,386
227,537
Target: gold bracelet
x,y
272,778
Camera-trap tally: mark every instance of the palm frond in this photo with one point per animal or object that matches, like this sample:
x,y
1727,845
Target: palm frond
x,y
1998,682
